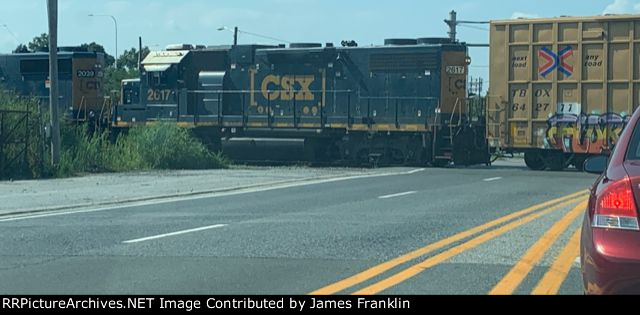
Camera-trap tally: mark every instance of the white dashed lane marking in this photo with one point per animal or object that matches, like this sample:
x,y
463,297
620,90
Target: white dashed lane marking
x,y
398,195
174,234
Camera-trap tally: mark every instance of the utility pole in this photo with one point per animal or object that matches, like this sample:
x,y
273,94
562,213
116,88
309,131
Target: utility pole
x,y
453,25
235,36
52,9
139,53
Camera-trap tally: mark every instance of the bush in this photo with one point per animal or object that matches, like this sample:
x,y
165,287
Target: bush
x,y
166,146
82,151
160,146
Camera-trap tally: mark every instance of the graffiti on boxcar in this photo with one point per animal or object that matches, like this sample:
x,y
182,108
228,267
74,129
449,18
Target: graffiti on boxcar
x,y
584,133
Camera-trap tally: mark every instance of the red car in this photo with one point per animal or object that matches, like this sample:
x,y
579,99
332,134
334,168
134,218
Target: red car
x,y
610,246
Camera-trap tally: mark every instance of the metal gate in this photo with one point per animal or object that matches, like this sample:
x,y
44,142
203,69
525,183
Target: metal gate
x,y
14,142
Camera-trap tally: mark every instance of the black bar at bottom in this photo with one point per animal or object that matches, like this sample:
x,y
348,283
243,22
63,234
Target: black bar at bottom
x,y
209,303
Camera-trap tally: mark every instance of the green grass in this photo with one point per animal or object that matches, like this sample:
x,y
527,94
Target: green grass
x,y
160,146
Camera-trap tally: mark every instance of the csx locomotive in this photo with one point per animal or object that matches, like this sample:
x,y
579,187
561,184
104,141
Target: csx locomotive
x,y
403,102
80,75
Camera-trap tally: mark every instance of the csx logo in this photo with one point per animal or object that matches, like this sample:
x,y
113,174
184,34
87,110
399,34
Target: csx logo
x,y
288,87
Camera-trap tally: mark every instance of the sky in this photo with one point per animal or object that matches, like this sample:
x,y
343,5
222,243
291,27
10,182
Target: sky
x,y
197,21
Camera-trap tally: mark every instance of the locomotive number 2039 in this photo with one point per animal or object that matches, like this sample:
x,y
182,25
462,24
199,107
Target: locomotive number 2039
x,y
86,74
158,95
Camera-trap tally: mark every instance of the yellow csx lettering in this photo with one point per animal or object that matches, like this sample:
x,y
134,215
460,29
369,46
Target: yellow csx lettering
x,y
284,88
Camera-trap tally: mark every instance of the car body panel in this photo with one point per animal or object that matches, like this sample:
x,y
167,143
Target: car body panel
x,y
610,258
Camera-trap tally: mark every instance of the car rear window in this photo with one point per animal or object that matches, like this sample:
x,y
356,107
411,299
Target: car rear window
x,y
634,145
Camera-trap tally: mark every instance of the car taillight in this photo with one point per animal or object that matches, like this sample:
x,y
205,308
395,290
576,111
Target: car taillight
x,y
616,207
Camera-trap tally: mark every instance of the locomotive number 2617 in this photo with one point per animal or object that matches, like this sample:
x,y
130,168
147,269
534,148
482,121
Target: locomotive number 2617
x,y
158,95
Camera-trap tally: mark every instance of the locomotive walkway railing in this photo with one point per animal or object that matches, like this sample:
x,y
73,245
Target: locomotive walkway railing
x,y
328,107
338,106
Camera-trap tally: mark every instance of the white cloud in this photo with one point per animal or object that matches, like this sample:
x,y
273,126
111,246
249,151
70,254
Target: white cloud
x,y
622,7
518,15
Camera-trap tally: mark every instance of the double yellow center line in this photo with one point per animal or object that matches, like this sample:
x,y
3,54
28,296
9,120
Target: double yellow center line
x,y
532,257
523,216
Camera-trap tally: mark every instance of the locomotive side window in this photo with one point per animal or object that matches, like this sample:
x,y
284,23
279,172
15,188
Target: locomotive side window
x,y
42,66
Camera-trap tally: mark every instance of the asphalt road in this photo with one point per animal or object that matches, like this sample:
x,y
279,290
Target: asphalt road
x,y
401,234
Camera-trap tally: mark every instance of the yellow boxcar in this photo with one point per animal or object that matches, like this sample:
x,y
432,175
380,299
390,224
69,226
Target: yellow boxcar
x,y
562,88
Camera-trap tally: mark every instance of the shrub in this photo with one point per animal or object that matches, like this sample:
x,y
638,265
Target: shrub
x,y
160,146
83,151
166,146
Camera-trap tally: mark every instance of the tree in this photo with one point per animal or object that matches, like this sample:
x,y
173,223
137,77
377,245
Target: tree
x,y
127,69
113,78
129,59
95,47
39,43
21,49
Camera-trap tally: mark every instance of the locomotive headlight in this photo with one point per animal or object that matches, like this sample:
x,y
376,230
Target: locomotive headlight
x,y
375,113
419,113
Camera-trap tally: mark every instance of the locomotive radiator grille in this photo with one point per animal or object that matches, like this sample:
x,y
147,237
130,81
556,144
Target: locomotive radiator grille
x,y
402,62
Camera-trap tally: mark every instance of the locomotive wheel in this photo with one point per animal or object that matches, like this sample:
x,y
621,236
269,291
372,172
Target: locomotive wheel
x,y
534,161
